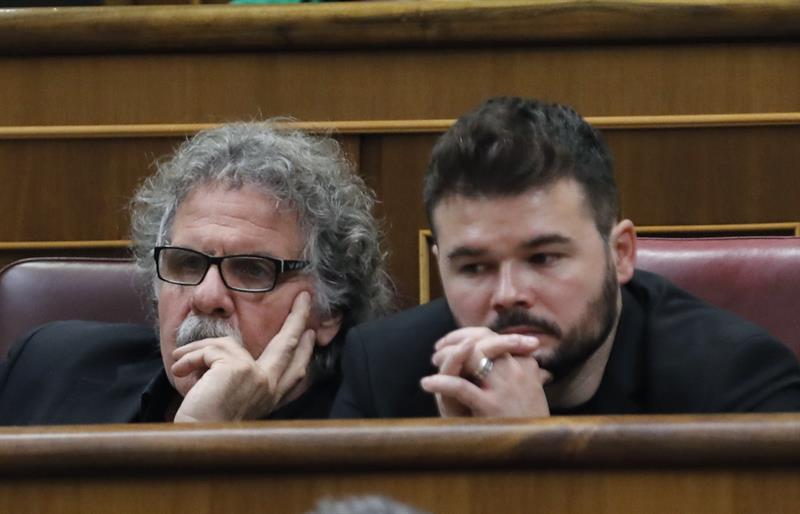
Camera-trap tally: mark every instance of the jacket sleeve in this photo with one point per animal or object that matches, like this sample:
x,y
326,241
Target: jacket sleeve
x,y
16,382
354,398
761,375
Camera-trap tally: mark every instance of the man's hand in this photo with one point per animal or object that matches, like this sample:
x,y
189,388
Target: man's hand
x,y
235,386
513,387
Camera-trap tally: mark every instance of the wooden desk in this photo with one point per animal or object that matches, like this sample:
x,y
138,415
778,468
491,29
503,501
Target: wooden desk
x,y
710,464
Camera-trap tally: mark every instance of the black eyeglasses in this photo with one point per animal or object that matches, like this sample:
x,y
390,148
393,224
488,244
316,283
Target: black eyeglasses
x,y
246,273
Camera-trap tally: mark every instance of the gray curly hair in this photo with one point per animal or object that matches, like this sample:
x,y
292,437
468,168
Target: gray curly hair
x,y
307,173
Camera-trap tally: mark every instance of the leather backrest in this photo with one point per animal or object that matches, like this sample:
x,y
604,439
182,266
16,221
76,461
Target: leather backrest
x,y
35,291
755,277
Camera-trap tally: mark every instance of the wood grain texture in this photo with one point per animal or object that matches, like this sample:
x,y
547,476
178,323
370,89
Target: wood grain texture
x,y
666,464
708,176
362,127
404,84
574,491
721,230
64,245
387,24
732,440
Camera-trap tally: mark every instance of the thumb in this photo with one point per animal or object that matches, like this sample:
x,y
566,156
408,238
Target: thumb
x,y
283,345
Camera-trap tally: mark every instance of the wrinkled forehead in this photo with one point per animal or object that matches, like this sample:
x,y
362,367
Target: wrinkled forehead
x,y
219,218
247,201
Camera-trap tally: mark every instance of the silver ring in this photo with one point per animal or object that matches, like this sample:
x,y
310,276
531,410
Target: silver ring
x,y
482,371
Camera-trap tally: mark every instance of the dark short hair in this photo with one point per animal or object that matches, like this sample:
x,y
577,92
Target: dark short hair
x,y
509,145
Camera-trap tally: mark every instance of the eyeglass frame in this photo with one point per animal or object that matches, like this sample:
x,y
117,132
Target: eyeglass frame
x,y
281,266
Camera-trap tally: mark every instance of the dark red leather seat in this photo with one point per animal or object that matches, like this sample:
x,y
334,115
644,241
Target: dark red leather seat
x,y
35,291
755,277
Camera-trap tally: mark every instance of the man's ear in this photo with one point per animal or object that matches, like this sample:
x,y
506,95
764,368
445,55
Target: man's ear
x,y
435,253
328,328
623,249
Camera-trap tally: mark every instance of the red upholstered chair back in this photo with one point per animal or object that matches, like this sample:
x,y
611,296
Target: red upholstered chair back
x,y
755,277
35,291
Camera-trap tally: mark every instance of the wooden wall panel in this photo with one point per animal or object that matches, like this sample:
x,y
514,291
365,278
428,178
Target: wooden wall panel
x,y
72,189
397,84
708,175
78,189
394,165
600,491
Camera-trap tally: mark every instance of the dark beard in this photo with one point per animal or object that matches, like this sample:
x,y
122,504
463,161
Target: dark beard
x,y
579,342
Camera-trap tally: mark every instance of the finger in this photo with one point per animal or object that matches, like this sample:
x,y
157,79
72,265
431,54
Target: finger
x,y
456,388
455,345
545,377
461,335
441,355
198,360
281,348
298,368
180,351
498,347
525,365
503,344
480,333
453,363
491,347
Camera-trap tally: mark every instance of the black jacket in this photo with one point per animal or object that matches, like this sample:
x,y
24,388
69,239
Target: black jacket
x,y
82,372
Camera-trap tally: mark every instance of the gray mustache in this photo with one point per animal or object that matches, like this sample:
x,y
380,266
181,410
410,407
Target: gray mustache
x,y
195,328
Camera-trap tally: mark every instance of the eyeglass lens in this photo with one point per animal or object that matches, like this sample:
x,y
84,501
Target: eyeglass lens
x,y
189,267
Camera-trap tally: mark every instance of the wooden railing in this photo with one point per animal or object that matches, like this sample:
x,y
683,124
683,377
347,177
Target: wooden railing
x,y
654,464
390,24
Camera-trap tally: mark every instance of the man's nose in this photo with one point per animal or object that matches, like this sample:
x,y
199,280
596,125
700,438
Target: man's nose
x,y
511,289
211,297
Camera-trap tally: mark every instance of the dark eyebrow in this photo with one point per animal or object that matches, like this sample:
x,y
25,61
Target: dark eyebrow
x,y
546,239
465,251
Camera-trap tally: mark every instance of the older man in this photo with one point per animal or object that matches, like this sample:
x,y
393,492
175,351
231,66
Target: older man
x,y
261,248
544,311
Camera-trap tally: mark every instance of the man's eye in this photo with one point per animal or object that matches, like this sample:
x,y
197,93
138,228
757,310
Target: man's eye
x,y
543,259
252,268
474,268
189,263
